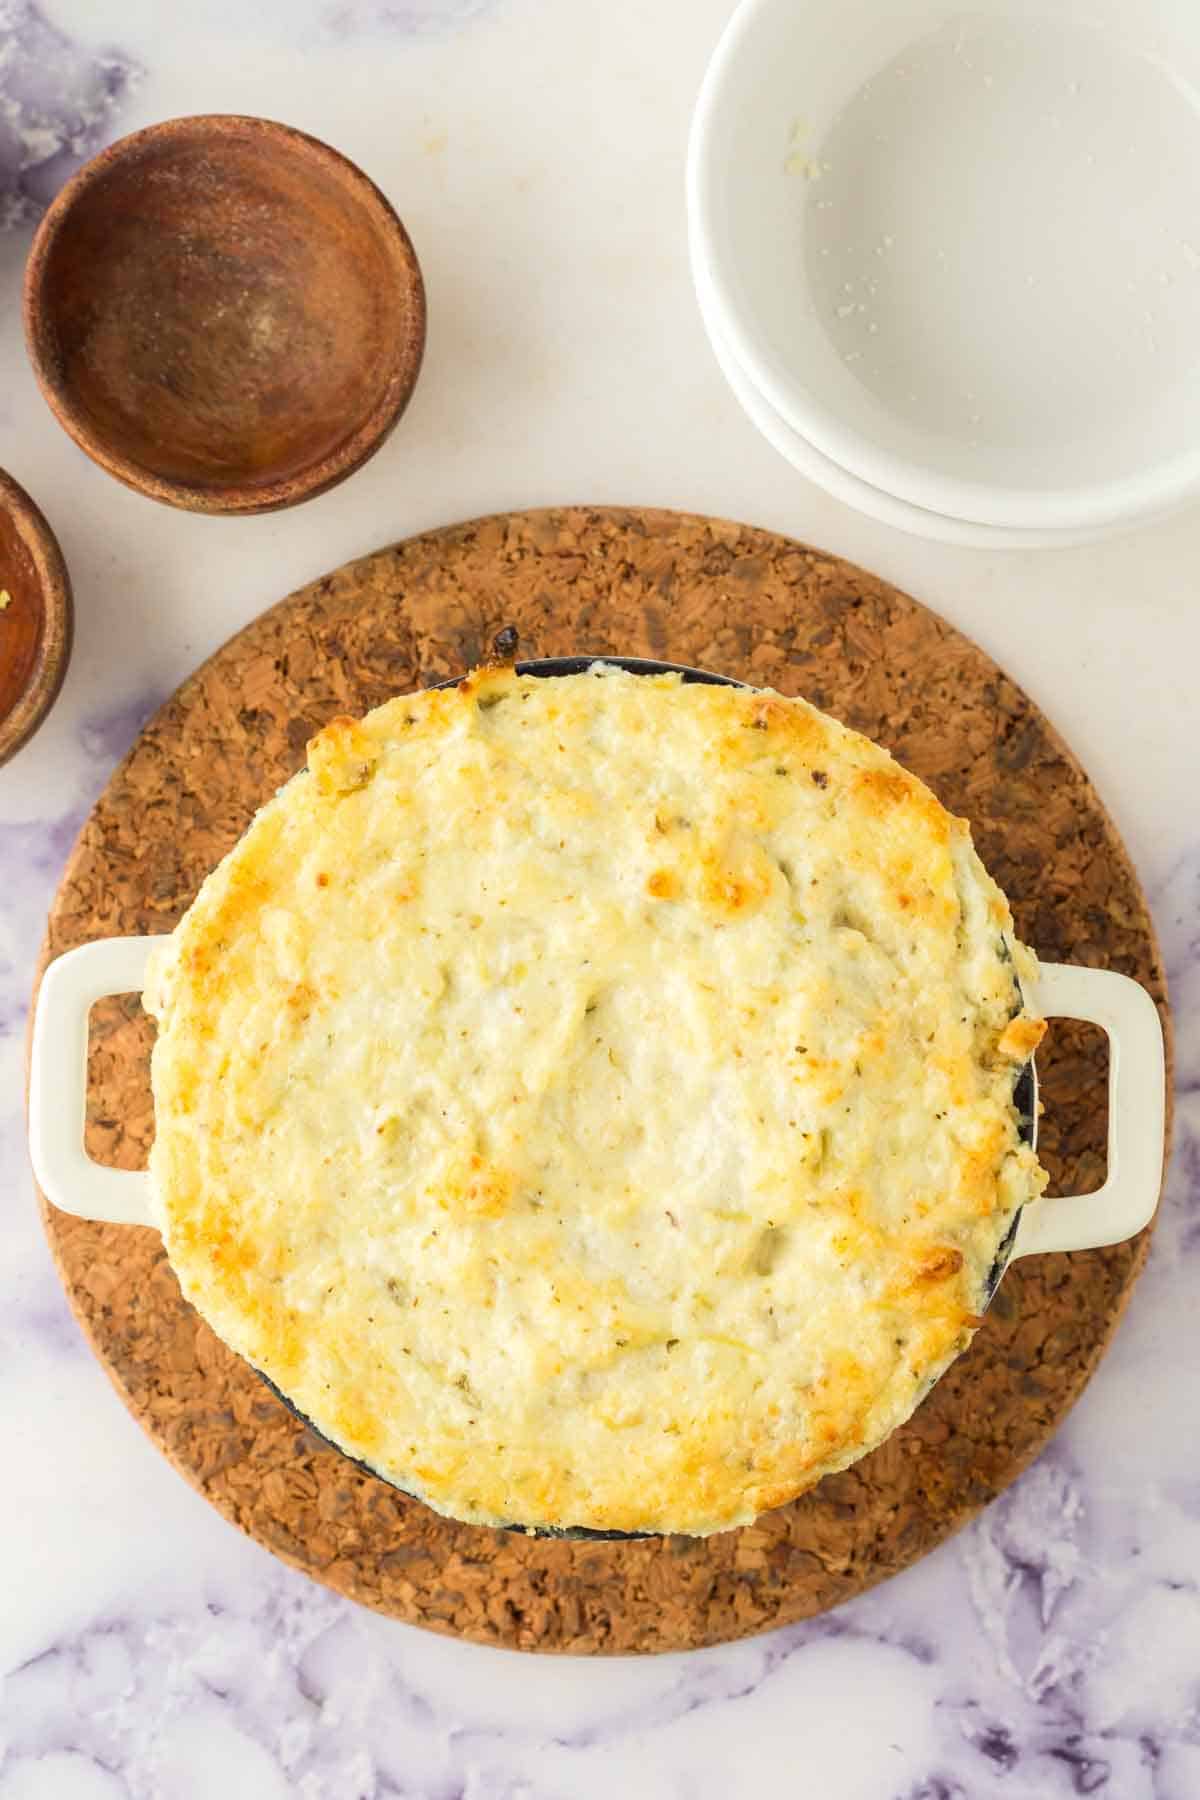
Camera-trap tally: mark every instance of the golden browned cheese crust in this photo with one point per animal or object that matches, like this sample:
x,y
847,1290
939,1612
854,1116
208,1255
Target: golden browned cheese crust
x,y
589,1099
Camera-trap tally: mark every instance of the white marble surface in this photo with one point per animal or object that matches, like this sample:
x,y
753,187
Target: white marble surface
x,y
534,147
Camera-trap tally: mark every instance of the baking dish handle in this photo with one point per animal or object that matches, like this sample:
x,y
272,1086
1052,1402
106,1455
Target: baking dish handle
x,y
65,1172
1136,1112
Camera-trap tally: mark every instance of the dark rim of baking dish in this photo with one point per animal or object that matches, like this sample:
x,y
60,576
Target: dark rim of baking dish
x,y
1024,1084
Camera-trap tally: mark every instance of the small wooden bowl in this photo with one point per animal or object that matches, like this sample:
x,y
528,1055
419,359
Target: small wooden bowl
x,y
35,620
224,313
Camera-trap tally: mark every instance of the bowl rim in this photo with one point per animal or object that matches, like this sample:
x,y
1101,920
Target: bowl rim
x,y
230,496
850,490
1129,501
58,625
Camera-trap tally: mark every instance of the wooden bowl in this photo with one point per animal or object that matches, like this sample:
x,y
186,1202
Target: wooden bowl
x,y
224,313
35,617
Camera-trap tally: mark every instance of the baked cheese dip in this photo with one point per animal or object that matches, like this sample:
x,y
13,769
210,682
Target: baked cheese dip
x,y
589,1098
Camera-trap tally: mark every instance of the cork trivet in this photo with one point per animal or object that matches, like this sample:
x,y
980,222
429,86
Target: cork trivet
x,y
693,590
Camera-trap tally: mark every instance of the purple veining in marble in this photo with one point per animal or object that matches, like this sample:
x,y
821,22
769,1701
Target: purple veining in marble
x,y
38,847
45,1322
56,100
31,855
995,1743
106,736
1186,1184
405,18
1178,911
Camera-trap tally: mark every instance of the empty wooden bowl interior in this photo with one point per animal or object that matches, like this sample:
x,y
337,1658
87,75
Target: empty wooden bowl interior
x,y
35,617
225,313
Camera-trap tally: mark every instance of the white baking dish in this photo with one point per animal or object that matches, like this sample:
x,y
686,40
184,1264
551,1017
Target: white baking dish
x,y
1122,1008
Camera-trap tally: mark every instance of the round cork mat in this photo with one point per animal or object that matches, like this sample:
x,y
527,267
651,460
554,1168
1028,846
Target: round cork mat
x,y
693,590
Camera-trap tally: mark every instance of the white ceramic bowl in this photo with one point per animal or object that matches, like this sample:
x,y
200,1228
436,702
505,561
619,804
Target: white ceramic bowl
x,y
954,251
866,499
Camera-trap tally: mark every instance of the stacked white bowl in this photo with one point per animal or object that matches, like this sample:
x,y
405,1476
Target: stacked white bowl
x,y
949,259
